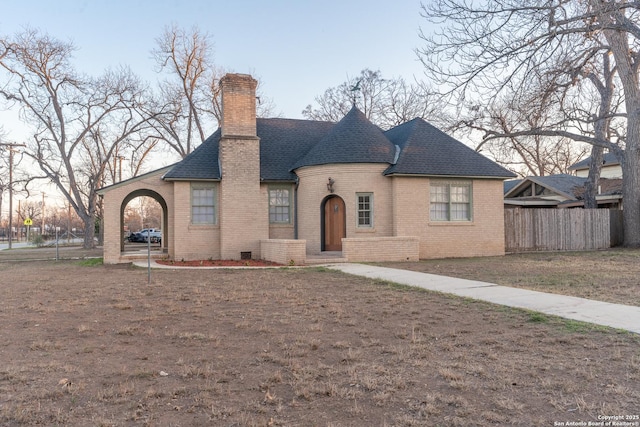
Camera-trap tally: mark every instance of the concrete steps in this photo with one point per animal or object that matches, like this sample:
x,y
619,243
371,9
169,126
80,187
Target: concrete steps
x,y
325,258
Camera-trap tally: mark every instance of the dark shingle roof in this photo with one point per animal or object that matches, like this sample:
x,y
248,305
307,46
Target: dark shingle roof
x,y
287,144
426,150
354,139
200,164
283,141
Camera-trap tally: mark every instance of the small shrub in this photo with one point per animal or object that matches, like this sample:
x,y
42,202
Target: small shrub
x,y
38,240
91,262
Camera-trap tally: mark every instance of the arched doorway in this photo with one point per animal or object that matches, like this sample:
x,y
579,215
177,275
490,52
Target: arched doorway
x,y
334,224
165,219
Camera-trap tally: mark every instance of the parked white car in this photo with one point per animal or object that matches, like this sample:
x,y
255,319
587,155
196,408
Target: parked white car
x,y
153,233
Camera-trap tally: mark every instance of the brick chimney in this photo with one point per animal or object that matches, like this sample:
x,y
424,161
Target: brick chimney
x,y
238,105
244,218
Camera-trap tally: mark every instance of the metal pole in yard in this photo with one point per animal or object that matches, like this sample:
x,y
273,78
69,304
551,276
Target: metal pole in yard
x,y
57,250
11,148
148,257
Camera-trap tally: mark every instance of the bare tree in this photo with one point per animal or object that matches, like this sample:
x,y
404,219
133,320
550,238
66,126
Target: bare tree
x,y
484,48
386,102
186,57
585,99
525,155
188,100
77,122
31,210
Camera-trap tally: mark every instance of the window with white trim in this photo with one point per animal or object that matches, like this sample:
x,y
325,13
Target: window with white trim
x,y
365,210
279,205
203,203
450,201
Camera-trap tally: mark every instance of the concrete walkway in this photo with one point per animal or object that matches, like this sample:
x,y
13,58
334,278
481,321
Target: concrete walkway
x,y
600,313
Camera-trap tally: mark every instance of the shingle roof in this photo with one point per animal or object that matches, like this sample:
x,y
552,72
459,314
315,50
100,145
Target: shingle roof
x,y
354,139
283,141
426,150
287,144
200,164
608,159
508,185
563,184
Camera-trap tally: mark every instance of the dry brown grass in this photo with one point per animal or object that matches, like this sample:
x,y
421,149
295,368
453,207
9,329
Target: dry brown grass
x,y
610,275
98,346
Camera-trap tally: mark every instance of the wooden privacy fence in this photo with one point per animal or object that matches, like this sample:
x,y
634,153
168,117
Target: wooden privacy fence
x,y
561,229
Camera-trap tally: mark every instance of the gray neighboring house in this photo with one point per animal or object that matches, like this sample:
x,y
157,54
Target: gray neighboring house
x,y
560,191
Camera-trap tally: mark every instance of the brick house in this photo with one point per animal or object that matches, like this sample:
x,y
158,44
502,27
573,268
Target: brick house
x,y
284,190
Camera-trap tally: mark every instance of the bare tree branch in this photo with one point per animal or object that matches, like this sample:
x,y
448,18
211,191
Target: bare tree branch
x,y
77,122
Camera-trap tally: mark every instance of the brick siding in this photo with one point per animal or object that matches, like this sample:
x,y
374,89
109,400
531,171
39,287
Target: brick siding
x,y
349,180
284,251
374,249
114,209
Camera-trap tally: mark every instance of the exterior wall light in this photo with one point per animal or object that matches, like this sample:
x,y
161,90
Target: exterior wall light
x,y
330,183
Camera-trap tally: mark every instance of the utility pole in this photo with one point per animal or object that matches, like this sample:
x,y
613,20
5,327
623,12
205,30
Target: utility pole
x,y
42,228
11,148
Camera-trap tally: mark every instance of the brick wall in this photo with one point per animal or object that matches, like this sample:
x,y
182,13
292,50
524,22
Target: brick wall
x,y
243,214
373,249
238,105
349,180
483,236
284,251
192,241
401,208
277,231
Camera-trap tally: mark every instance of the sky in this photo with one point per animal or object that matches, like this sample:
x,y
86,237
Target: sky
x,y
296,48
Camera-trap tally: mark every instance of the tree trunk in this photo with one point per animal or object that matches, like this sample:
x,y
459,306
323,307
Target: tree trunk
x,y
591,186
631,188
627,72
89,232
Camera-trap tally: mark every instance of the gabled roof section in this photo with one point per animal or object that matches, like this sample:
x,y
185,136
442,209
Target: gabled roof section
x,y
508,185
561,184
354,139
101,191
200,165
426,150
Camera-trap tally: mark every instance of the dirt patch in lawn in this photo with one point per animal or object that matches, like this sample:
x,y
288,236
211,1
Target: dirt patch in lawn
x,y
610,275
290,347
220,263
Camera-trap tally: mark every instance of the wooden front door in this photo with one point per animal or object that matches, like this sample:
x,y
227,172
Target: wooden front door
x,y
334,224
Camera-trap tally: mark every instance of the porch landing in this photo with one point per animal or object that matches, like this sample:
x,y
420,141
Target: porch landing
x,y
327,257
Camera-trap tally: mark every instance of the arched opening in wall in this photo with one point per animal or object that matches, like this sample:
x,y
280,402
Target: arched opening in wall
x,y
143,222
